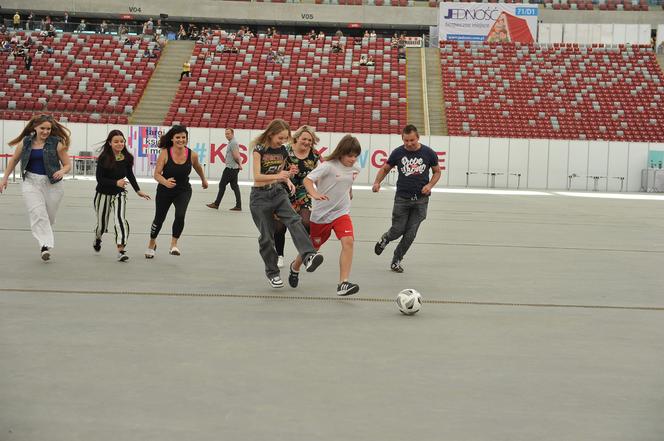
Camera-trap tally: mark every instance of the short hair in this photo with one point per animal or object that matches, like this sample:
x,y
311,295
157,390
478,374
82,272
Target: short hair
x,y
410,129
232,131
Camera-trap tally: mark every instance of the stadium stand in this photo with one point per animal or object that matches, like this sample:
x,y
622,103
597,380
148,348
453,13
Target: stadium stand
x,y
307,84
87,78
559,91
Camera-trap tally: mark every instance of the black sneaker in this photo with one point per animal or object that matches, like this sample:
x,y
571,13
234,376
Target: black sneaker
x,y
96,245
45,253
313,261
381,244
396,266
122,256
347,288
293,277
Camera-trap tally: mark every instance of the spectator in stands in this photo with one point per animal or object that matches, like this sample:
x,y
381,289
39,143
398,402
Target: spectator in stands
x,y
28,21
122,30
39,50
174,165
338,33
231,171
16,21
50,32
18,51
47,20
186,70
114,172
660,49
363,60
312,35
28,61
370,61
65,18
337,47
402,53
81,26
103,27
6,46
41,148
3,29
366,33
148,27
269,32
269,197
219,49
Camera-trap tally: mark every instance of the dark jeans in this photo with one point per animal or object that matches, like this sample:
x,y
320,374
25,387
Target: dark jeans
x,y
229,176
280,230
184,73
263,203
163,200
407,215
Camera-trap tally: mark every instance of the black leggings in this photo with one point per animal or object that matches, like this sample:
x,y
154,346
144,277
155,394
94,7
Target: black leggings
x,y
163,201
280,230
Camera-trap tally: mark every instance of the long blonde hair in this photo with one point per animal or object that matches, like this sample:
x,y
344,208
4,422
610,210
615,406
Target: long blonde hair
x,y
306,129
275,126
57,130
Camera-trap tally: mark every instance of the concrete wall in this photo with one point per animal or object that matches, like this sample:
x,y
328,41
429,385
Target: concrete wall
x,y
305,14
543,164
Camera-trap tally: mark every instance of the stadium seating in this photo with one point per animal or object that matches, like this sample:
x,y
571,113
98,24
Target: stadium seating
x,y
88,78
562,91
308,85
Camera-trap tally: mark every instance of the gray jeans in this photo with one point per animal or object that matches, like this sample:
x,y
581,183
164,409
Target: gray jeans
x,y
264,203
407,215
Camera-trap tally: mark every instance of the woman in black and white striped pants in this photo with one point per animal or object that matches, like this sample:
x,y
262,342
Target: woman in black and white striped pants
x,y
114,172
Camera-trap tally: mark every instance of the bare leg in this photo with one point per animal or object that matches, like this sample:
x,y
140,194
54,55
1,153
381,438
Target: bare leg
x,y
345,258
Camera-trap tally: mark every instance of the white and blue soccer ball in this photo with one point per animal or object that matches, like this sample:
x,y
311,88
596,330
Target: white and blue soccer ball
x,y
409,301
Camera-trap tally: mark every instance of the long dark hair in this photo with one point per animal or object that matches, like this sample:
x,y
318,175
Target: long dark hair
x,y
166,139
106,156
57,130
348,145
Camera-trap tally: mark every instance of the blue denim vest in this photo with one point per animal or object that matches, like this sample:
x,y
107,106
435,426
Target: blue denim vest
x,y
51,159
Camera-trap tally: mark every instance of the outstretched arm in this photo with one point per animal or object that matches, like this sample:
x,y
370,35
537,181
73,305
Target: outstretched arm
x,y
11,164
382,172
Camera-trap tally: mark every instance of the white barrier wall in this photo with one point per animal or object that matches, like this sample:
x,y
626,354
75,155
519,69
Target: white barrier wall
x,y
541,163
584,33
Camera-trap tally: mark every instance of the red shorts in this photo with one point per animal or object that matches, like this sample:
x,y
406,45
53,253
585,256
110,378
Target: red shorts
x,y
320,233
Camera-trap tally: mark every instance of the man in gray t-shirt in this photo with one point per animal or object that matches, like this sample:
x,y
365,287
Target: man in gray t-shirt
x,y
229,176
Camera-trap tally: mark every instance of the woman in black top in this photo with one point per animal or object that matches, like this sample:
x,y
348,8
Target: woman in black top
x,y
172,173
114,164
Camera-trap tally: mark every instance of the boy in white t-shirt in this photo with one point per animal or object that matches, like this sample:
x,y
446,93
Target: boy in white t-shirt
x,y
330,187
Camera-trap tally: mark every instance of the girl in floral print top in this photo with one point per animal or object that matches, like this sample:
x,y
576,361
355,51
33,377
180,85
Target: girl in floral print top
x,y
302,159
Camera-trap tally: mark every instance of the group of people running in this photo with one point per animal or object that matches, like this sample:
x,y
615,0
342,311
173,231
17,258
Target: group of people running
x,y
294,189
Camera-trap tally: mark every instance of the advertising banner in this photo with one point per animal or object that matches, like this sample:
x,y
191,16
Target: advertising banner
x,y
490,22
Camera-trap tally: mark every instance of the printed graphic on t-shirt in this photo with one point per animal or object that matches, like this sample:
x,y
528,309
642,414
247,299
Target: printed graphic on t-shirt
x,y
271,163
413,166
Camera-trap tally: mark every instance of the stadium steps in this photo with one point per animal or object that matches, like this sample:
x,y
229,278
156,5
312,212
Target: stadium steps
x,y
437,123
414,89
163,85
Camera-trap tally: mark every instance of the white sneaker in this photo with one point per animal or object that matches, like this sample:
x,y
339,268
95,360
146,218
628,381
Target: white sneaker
x,y
122,256
280,262
45,254
276,282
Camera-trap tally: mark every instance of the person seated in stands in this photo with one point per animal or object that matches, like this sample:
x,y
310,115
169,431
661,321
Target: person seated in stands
x,y
127,42
312,35
363,60
370,61
220,48
81,26
182,34
48,50
373,34
3,29
337,47
269,33
40,50
402,53
28,42
18,51
51,31
366,34
103,27
6,46
321,35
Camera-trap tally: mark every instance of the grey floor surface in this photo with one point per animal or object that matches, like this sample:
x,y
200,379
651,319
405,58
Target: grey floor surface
x,y
544,320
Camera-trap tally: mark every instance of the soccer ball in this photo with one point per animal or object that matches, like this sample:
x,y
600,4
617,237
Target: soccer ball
x,y
409,301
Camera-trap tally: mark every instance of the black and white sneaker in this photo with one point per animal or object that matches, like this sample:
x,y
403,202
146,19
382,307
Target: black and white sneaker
x,y
313,261
347,288
122,256
276,282
293,277
396,266
96,245
45,253
380,245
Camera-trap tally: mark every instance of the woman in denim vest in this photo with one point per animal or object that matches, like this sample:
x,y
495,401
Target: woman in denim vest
x,y
41,149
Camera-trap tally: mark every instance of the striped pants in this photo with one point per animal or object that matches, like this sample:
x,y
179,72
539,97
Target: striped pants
x,y
105,204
